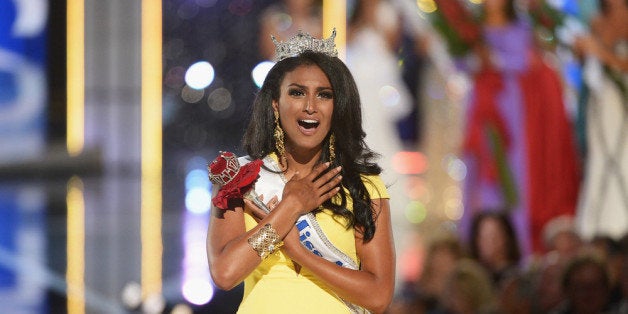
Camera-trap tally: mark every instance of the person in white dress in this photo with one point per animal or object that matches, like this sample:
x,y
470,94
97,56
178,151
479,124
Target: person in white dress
x,y
373,35
603,204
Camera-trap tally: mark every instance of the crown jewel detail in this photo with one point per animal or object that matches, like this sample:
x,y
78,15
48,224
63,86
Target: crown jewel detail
x,y
302,42
224,168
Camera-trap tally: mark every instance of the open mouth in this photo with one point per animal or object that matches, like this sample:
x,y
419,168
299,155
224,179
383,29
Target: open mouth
x,y
308,124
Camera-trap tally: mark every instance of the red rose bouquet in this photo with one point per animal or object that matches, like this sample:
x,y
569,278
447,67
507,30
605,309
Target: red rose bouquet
x,y
235,181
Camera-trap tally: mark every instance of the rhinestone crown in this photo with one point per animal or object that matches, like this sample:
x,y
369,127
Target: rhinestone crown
x,y
303,41
232,167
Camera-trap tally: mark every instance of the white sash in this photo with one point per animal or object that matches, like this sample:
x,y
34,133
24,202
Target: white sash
x,y
311,235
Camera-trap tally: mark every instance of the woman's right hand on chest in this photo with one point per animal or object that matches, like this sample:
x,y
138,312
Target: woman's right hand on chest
x,y
303,194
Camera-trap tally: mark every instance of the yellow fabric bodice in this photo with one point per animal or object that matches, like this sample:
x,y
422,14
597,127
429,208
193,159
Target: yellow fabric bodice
x,y
275,287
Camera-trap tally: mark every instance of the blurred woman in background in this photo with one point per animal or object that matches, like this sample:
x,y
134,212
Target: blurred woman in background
x,y
604,198
493,243
519,148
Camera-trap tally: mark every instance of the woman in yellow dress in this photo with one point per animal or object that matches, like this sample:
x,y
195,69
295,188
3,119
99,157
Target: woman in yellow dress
x,y
316,235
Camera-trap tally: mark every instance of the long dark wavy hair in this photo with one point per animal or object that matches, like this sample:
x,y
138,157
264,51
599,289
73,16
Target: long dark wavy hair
x,y
351,151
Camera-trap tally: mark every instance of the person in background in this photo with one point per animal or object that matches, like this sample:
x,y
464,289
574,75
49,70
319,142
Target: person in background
x,y
373,34
285,18
493,244
621,306
442,256
586,285
560,238
604,198
610,251
516,295
468,290
547,287
519,147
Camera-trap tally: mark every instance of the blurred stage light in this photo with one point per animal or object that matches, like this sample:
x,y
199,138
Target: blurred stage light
x,y
198,291
453,202
415,188
196,287
260,71
132,295
197,187
415,212
335,17
199,75
151,147
175,77
75,267
454,209
191,95
198,200
219,99
409,162
181,309
427,6
75,77
455,167
154,304
389,96
194,236
197,178
197,163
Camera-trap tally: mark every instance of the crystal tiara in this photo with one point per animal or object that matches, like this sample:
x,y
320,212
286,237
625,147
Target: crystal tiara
x,y
302,42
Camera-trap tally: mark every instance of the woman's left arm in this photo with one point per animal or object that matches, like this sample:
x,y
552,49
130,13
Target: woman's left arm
x,y
372,285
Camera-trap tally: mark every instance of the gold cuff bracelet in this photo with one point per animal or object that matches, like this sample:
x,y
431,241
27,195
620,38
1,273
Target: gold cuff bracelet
x,y
265,241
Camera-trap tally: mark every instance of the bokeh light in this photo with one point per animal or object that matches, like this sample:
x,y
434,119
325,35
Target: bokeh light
x,y
196,286
191,95
197,187
198,200
197,291
199,75
415,188
260,71
219,99
427,6
174,78
453,202
415,212
389,96
197,178
455,167
409,162
457,87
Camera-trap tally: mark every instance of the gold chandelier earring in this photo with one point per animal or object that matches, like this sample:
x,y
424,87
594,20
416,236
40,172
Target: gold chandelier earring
x,y
279,145
332,148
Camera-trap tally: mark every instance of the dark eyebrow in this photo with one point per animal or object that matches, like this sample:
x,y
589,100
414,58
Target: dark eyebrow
x,y
318,89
